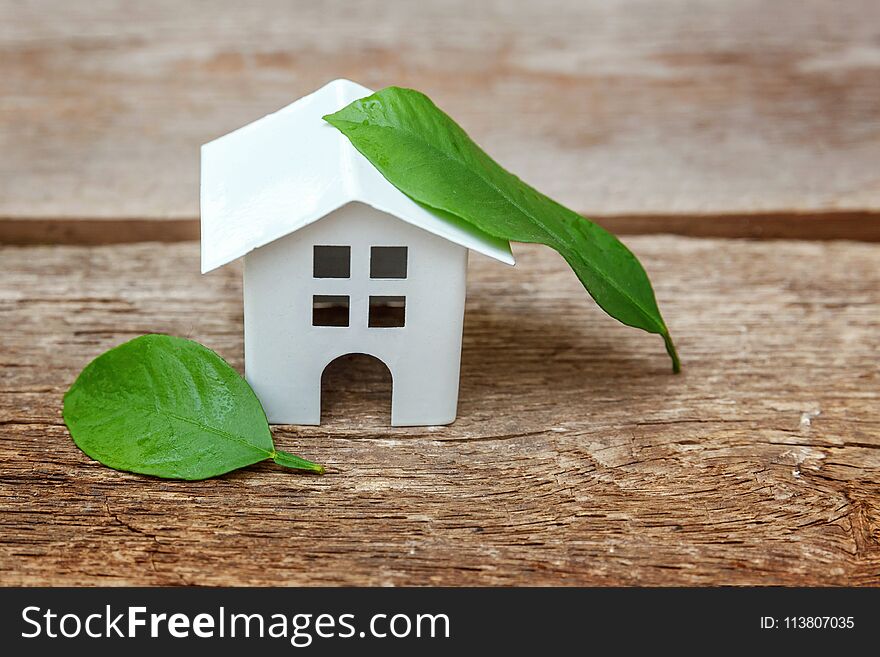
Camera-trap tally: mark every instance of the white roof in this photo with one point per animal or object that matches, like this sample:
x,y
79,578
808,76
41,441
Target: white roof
x,y
291,168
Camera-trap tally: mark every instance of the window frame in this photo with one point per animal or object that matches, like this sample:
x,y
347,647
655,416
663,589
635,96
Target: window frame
x,y
330,298
329,265
390,299
377,260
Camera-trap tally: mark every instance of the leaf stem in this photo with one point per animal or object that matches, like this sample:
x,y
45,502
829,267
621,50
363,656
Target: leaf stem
x,y
289,460
673,354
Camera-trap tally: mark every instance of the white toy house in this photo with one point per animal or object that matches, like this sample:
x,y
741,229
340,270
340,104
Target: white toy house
x,y
336,261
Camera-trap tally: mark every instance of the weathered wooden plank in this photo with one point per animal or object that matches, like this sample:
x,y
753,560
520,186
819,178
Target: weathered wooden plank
x,y
630,109
832,225
577,457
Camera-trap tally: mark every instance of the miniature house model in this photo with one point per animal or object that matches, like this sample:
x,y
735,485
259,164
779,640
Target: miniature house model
x,y
336,261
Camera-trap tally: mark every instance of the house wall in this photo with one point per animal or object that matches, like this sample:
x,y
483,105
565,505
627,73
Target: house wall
x,y
285,355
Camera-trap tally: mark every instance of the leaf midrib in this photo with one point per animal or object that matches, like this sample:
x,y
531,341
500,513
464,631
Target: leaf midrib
x,y
462,164
204,427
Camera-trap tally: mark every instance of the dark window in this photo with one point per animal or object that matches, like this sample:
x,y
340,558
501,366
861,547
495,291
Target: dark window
x,y
332,262
329,310
387,312
388,262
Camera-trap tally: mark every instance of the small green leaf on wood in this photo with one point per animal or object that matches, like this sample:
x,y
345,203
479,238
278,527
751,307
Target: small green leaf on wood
x,y
169,407
430,158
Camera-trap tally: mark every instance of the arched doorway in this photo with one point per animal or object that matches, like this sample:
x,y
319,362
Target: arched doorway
x,y
356,389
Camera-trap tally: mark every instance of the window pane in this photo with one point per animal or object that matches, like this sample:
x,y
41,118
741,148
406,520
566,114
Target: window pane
x,y
332,262
387,312
388,262
329,310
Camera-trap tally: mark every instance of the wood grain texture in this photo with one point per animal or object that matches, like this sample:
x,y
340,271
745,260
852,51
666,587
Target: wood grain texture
x,y
617,109
577,457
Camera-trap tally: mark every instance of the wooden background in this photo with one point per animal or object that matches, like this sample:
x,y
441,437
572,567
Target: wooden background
x,y
577,457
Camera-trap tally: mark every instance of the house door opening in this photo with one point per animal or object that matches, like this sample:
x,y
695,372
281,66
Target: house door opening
x,y
356,389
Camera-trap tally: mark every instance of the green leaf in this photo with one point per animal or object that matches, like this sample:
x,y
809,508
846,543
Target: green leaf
x,y
169,407
430,158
